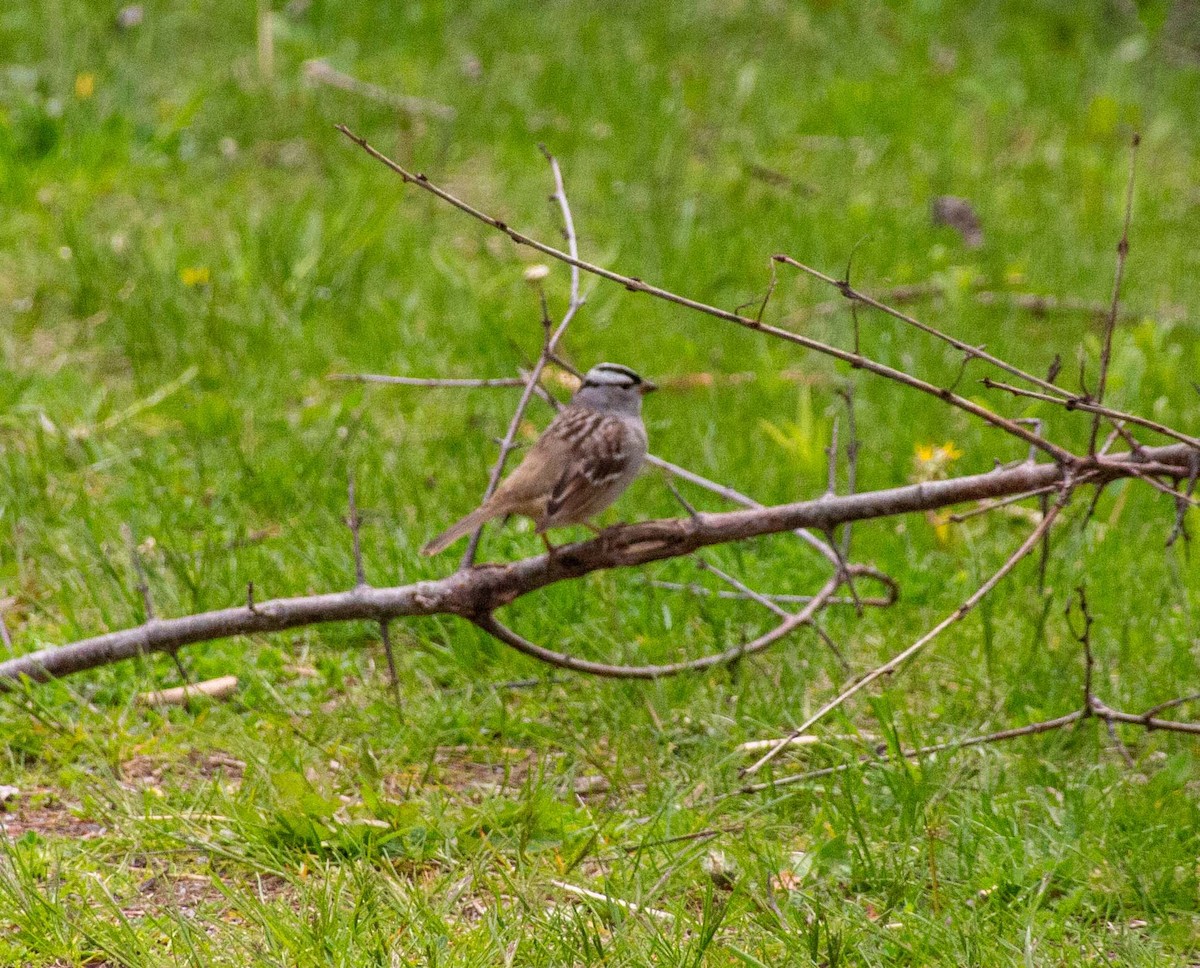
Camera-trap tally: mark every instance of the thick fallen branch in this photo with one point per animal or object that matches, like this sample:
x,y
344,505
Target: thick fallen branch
x,y
475,593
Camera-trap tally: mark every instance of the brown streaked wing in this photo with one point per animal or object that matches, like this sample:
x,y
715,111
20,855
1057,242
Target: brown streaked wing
x,y
604,461
537,474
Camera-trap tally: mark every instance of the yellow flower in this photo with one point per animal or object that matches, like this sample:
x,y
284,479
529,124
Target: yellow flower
x,y
941,527
194,276
85,85
931,462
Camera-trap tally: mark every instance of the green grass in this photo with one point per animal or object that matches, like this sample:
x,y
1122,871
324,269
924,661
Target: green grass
x,y
192,220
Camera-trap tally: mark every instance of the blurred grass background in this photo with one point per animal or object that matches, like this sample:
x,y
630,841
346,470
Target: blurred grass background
x,y
188,249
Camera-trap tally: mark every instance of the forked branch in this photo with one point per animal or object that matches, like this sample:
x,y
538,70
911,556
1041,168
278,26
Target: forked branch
x,y
475,593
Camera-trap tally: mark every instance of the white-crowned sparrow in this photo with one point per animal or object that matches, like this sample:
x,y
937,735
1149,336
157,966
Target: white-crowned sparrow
x,y
580,464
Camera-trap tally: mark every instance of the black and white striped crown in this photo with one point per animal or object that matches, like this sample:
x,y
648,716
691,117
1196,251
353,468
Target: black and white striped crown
x,y
611,375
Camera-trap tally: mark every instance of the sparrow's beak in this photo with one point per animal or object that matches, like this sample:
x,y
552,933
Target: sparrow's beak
x,y
647,387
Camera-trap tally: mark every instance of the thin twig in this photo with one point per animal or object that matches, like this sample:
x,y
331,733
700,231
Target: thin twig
x,y
1170,704
831,644
987,506
360,574
549,346
846,392
1182,502
1120,744
393,677
782,599
493,627
830,490
1085,404
831,452
321,72
1100,711
683,501
745,590
1179,497
969,351
637,285
1118,276
421,381
607,899
1039,304
1084,637
900,658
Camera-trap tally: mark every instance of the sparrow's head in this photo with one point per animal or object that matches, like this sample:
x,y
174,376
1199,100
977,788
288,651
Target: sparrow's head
x,y
611,386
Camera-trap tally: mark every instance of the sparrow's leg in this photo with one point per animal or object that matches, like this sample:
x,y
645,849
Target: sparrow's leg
x,y
550,549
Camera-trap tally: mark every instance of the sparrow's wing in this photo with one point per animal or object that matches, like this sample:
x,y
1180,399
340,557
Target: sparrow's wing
x,y
544,463
600,459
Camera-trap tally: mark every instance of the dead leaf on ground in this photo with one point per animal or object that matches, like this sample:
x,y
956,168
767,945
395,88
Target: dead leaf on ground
x,y
960,215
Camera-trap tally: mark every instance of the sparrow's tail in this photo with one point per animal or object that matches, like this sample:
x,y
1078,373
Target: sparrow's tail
x,y
458,529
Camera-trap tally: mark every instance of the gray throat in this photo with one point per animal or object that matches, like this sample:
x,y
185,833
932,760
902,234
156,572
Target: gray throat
x,y
610,399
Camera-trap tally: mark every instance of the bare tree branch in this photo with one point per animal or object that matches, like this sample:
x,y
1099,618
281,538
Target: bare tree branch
x,y
549,346
421,381
783,599
900,658
493,627
321,72
637,285
478,591
1118,276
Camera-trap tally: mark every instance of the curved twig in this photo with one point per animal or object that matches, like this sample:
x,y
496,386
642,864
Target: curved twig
x,y
492,626
1118,276
477,591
